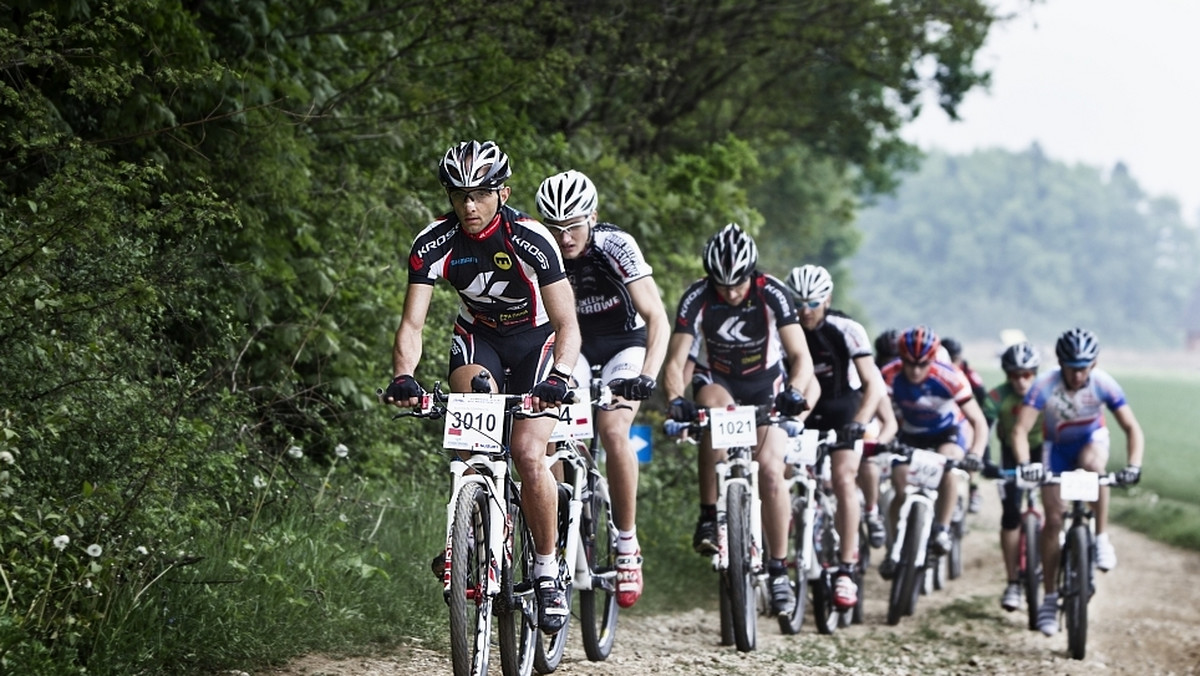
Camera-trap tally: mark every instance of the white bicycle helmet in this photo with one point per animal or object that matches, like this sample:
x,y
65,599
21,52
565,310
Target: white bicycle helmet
x,y
810,282
1020,357
730,256
565,196
472,164
1077,347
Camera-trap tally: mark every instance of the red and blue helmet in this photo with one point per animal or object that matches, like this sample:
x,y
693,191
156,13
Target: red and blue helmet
x,y
918,344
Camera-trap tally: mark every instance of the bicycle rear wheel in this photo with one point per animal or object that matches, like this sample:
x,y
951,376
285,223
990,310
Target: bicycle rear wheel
x,y
1076,589
598,606
791,623
1031,565
955,557
739,577
825,612
516,617
470,607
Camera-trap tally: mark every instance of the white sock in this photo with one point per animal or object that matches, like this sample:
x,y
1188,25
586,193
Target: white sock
x,y
627,542
545,565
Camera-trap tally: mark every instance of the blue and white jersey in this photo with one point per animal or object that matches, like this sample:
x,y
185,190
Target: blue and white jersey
x,y
1071,417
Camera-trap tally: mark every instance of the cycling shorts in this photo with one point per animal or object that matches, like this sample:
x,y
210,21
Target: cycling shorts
x,y
833,414
626,363
757,390
603,349
1065,457
526,357
953,435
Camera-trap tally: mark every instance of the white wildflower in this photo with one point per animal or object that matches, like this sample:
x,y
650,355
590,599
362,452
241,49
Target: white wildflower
x,y
295,452
341,450
143,551
94,550
61,542
259,482
7,457
343,518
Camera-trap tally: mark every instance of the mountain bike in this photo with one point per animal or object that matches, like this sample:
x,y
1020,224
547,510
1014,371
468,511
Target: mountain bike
x,y
489,552
814,542
949,565
1029,543
739,558
587,534
909,552
1076,561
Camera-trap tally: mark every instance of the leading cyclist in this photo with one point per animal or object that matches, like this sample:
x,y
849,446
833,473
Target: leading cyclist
x,y
851,392
755,355
516,309
622,315
1071,399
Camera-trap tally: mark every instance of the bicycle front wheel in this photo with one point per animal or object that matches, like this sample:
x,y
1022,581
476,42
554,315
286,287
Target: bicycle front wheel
x,y
1075,589
519,636
470,606
791,623
906,585
739,578
825,537
955,562
598,606
1031,565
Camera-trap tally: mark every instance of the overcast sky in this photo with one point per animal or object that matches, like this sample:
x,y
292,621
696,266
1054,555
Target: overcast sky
x,y
1092,81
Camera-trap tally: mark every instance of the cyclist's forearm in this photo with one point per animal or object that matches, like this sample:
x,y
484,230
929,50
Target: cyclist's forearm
x,y
406,351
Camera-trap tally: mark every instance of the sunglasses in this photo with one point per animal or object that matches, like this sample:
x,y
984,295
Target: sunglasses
x,y
478,195
810,304
917,364
565,229
1022,374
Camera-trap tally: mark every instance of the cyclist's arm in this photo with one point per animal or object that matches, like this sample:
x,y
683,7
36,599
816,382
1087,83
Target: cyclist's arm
x,y
979,440
1135,441
873,389
560,307
800,364
677,358
1026,419
406,351
887,418
649,305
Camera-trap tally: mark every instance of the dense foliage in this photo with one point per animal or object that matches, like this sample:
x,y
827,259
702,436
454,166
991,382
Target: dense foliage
x,y
993,240
204,209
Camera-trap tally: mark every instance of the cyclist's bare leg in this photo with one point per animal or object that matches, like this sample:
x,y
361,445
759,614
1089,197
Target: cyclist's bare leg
x,y
1053,507
539,489
776,500
622,463
845,487
899,481
1094,458
1010,542
948,489
868,481
710,396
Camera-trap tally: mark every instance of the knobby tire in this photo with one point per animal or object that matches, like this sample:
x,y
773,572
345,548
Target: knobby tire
x,y
1031,542
791,623
739,577
470,618
516,617
1077,590
598,606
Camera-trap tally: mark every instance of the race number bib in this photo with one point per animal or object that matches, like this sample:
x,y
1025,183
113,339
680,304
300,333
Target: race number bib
x,y
574,420
733,427
802,448
1079,485
474,422
925,469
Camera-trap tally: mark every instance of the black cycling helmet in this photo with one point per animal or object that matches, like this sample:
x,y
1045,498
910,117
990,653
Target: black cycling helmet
x,y
472,164
730,256
1077,348
953,347
885,346
1021,356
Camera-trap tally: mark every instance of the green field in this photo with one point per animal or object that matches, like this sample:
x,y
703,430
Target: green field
x,y
1166,504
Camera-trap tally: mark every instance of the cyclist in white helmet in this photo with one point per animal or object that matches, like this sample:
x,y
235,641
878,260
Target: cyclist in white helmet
x,y
516,315
626,330
1020,363
852,391
1071,399
754,354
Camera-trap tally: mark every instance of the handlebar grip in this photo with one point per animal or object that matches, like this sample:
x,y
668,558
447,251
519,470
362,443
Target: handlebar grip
x,y
794,428
674,428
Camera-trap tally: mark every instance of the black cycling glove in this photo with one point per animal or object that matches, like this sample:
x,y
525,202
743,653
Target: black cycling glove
x,y
403,387
790,402
970,463
1130,475
552,390
682,410
852,432
633,389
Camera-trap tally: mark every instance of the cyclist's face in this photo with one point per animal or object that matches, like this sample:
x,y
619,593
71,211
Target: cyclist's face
x,y
476,208
916,371
1020,381
1076,377
735,293
812,311
572,235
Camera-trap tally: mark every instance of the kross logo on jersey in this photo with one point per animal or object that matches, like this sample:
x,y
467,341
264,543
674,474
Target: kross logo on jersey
x,y
731,330
484,291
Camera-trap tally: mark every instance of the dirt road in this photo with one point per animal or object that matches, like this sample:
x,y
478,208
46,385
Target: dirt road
x,y
1144,619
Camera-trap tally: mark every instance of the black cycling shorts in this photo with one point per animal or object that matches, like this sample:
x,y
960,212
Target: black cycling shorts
x,y
833,414
757,390
526,357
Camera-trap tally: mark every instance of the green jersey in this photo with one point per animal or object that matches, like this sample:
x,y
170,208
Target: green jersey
x,y
1004,403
